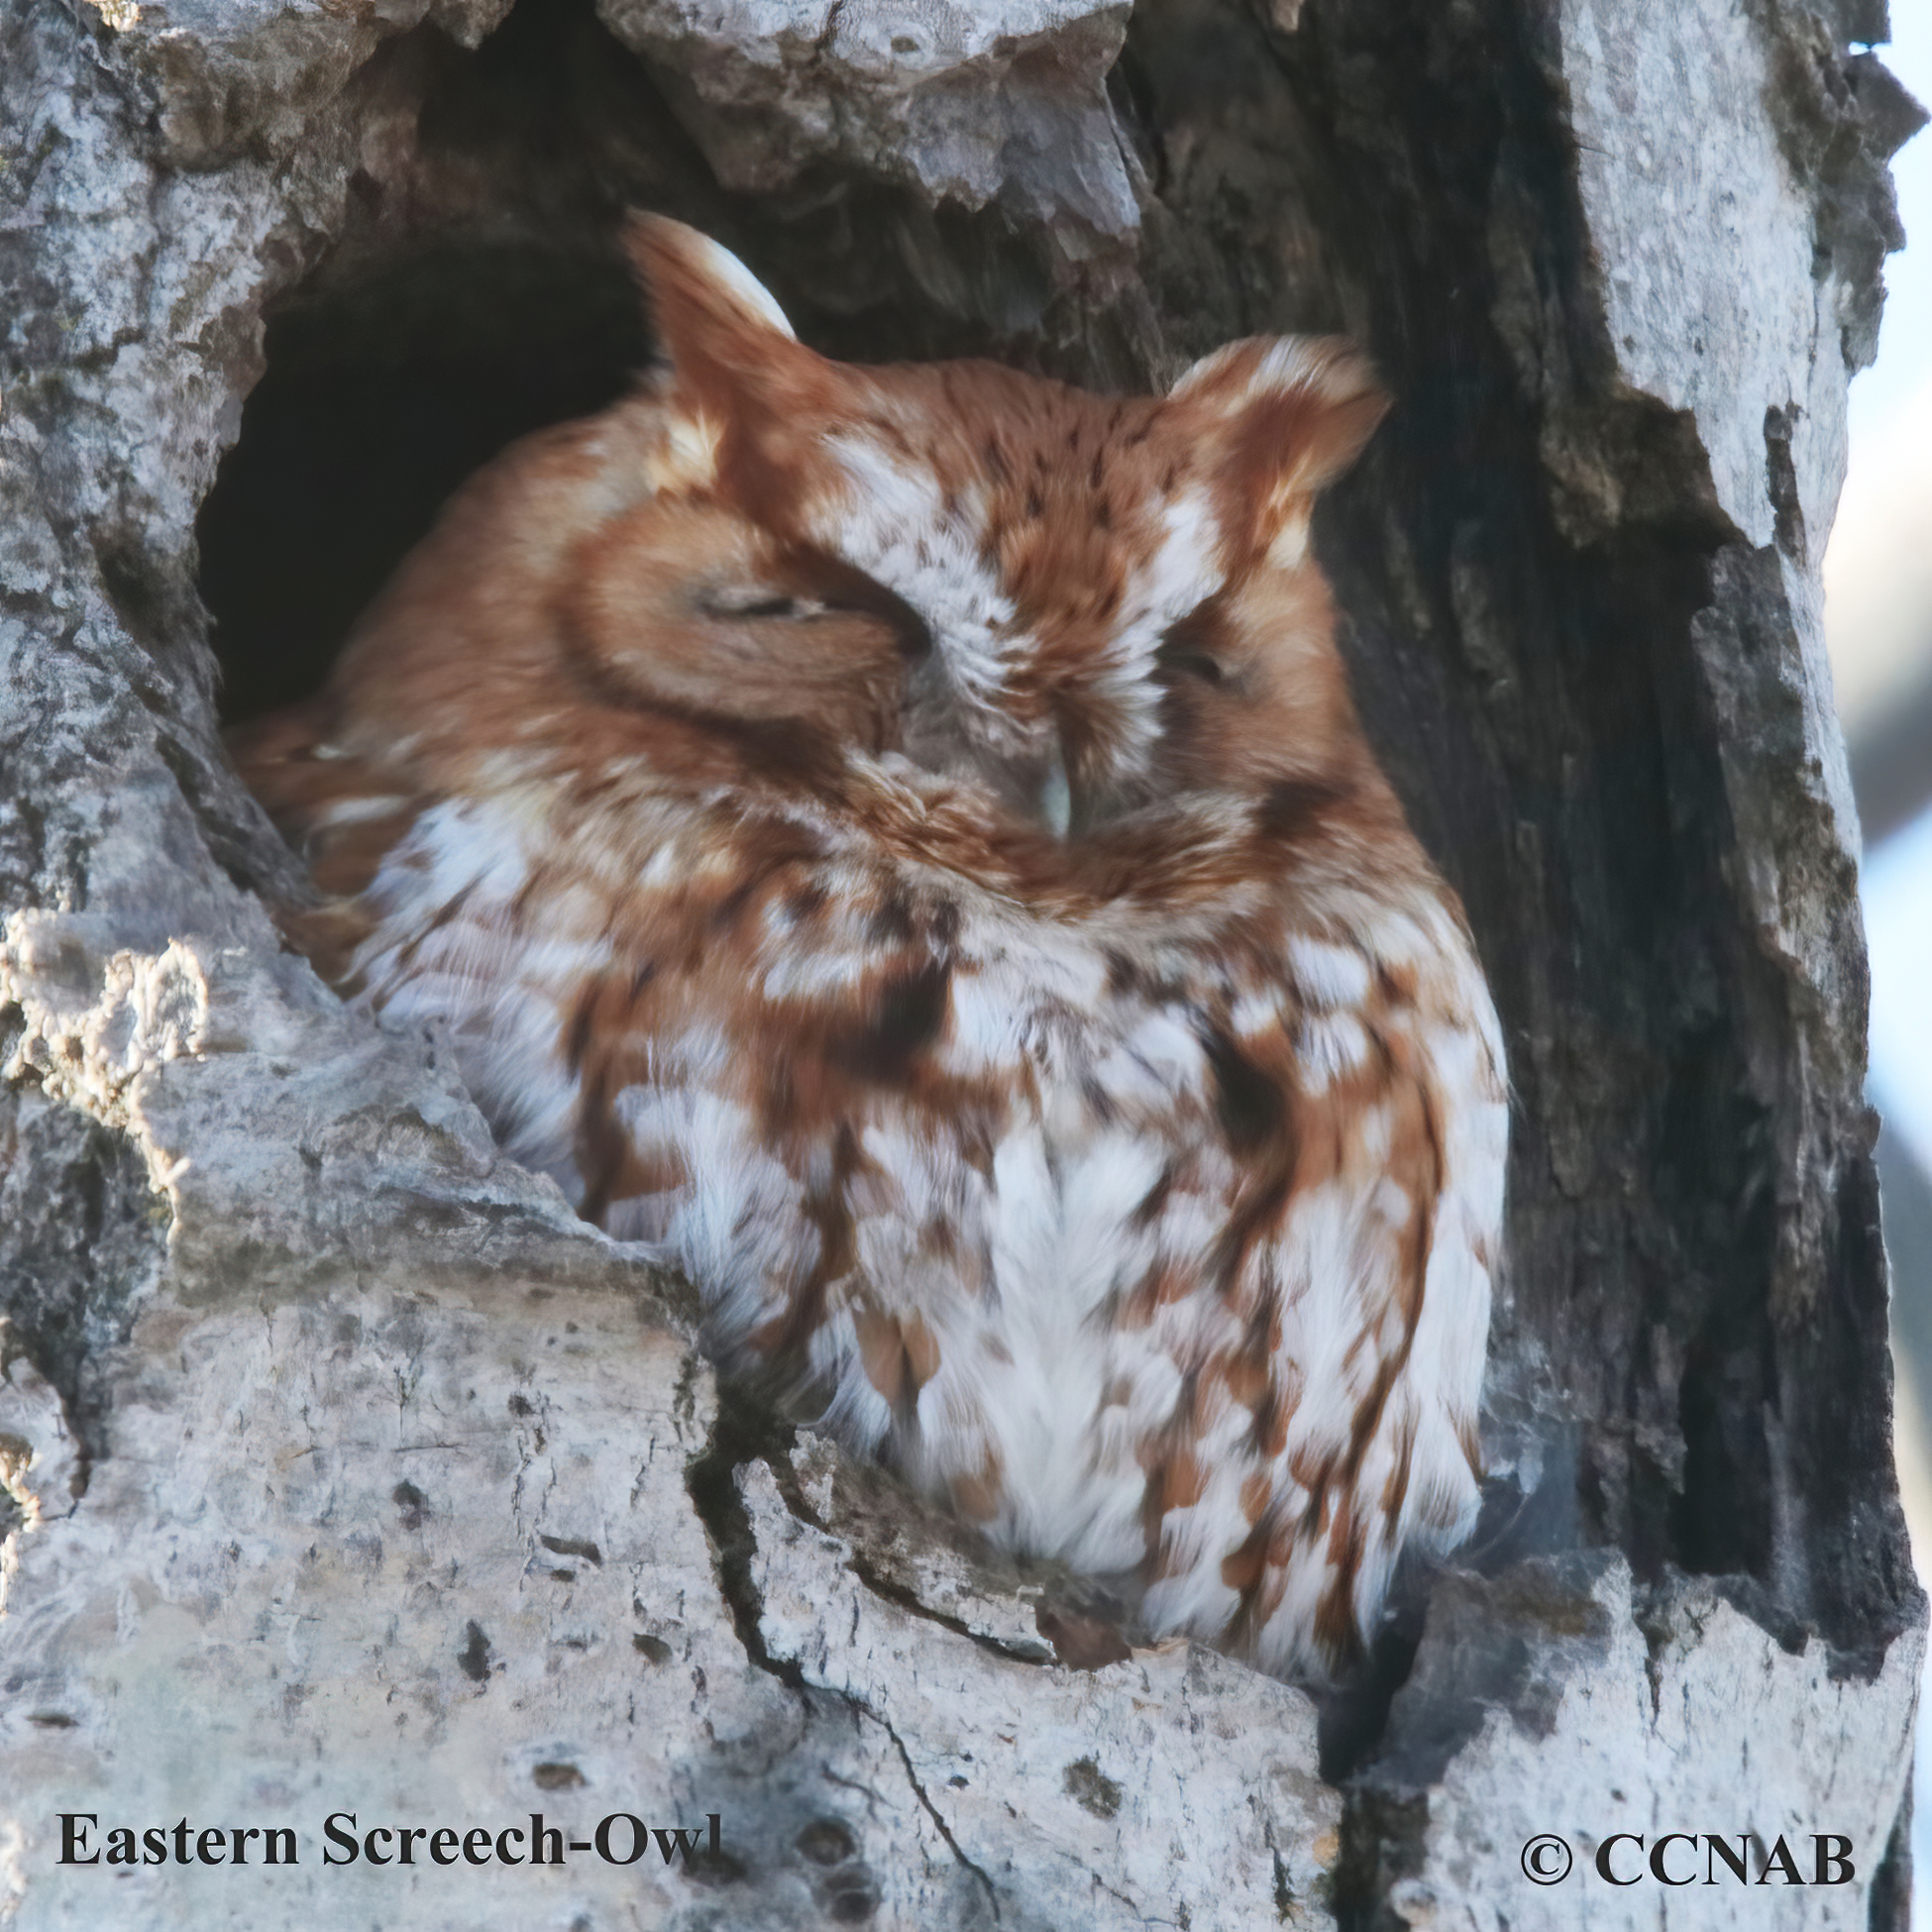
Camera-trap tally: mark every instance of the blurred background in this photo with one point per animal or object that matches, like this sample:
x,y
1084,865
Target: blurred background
x,y
1878,621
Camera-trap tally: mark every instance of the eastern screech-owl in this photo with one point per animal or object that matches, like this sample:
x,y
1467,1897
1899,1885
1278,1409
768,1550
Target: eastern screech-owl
x,y
900,839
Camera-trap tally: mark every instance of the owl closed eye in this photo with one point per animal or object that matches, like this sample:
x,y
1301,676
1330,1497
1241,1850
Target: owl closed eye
x,y
899,839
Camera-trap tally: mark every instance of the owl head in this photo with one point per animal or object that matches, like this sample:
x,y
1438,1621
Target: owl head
x,y
1078,602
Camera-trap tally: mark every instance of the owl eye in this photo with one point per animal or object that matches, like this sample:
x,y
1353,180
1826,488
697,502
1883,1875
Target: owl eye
x,y
1170,667
1183,654
1179,658
843,592
759,604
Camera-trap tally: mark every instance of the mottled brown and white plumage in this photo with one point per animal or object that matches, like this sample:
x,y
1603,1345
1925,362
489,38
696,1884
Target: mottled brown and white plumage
x,y
899,839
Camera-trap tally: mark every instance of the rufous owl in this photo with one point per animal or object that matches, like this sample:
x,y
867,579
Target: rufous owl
x,y
900,841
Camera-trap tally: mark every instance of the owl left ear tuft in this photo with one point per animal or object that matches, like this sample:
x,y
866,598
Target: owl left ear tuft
x,y
1290,413
718,325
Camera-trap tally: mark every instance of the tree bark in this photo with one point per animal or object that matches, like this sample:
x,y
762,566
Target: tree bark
x,y
351,1474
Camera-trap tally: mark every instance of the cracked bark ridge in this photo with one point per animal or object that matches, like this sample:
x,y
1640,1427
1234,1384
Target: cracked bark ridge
x,y
1664,1706
966,105
1173,1776
342,1469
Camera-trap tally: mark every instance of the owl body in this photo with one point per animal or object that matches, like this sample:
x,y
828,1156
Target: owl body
x,y
898,840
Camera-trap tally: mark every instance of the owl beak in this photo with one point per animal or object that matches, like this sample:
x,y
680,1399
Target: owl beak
x,y
1056,795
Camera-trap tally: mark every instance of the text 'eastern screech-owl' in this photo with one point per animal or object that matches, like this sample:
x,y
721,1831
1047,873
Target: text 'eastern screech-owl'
x,y
900,839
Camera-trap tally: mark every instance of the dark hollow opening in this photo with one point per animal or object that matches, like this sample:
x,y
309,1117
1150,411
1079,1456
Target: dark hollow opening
x,y
472,294
379,399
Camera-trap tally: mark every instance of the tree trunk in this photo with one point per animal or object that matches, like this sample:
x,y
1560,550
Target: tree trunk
x,y
352,1475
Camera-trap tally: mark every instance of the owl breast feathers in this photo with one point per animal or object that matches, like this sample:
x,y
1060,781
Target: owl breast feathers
x,y
899,839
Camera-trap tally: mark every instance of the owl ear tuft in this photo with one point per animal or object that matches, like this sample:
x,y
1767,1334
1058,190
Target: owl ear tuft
x,y
718,325
1290,412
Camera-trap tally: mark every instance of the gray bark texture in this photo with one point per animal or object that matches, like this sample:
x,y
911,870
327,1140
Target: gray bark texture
x,y
349,1473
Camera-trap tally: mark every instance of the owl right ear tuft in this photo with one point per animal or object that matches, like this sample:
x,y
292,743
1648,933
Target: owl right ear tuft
x,y
1300,407
718,327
